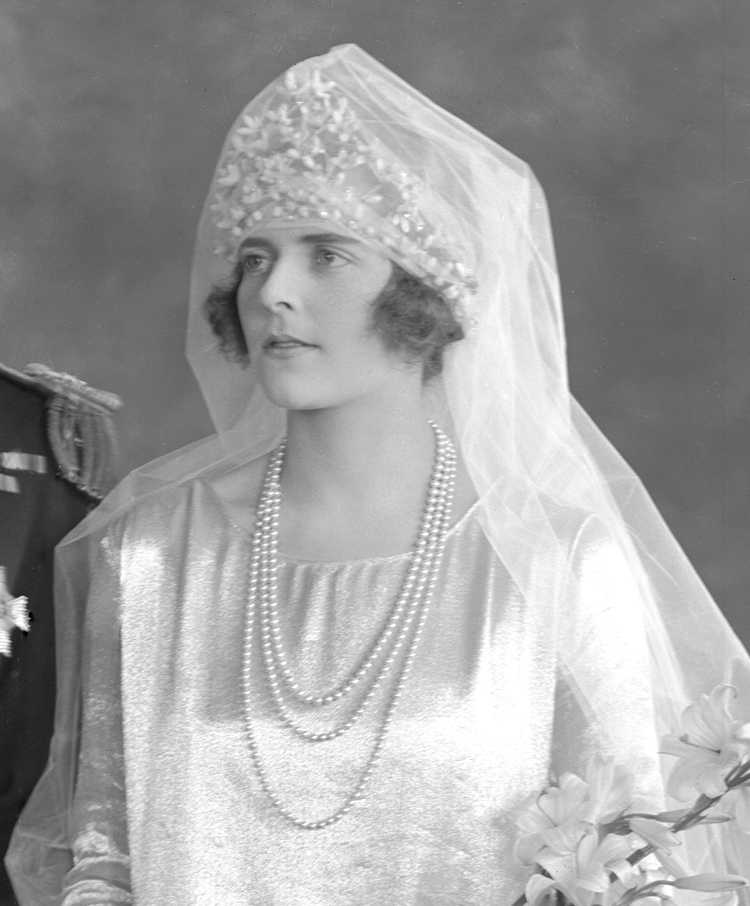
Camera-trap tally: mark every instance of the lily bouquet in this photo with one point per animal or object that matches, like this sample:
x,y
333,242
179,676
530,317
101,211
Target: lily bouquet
x,y
589,849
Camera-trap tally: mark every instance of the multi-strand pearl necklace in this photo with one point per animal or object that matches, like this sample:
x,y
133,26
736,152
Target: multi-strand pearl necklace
x,y
389,657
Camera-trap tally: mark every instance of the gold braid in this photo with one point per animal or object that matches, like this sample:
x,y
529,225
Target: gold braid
x,y
80,429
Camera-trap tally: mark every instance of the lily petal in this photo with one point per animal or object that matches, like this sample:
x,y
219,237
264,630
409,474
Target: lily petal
x,y
527,847
565,839
655,833
741,802
536,888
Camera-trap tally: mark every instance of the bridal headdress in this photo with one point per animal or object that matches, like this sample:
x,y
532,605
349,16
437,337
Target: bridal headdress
x,y
342,138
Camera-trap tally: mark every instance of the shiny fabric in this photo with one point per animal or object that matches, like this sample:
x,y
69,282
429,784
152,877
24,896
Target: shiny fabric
x,y
540,468
475,732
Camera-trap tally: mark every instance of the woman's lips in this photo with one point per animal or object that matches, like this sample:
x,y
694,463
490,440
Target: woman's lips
x,y
283,346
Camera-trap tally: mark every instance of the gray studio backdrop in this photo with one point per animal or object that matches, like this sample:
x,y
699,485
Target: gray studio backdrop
x,y
633,114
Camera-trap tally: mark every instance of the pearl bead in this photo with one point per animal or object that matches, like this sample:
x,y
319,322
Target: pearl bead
x,y
392,653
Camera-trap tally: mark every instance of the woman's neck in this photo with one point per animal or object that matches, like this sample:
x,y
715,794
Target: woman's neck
x,y
354,480
356,455
355,477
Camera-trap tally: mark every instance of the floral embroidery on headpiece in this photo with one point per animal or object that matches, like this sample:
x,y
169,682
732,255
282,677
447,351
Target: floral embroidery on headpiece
x,y
308,155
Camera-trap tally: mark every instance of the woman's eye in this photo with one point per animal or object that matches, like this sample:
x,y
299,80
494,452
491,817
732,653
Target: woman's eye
x,y
329,258
254,262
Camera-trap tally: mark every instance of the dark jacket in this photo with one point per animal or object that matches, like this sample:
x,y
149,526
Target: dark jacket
x,y
37,508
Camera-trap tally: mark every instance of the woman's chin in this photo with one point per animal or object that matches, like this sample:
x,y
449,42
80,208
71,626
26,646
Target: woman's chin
x,y
292,394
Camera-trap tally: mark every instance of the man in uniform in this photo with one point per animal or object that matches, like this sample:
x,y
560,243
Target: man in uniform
x,y
56,448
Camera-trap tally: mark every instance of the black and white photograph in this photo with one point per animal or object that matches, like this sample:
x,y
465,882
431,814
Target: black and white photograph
x,y
374,453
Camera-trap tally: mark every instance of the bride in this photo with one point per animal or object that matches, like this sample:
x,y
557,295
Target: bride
x,y
323,656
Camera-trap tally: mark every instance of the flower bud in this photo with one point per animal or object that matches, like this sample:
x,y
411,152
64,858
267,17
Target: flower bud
x,y
710,882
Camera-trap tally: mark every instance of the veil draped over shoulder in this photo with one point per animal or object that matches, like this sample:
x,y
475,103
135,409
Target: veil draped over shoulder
x,y
342,137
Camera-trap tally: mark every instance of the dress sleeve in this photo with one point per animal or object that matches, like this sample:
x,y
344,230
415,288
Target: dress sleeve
x,y
605,698
98,823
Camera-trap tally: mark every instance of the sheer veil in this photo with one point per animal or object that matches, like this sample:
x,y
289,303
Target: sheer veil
x,y
538,462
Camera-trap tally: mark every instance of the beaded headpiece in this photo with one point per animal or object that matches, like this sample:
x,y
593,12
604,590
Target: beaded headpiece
x,y
308,154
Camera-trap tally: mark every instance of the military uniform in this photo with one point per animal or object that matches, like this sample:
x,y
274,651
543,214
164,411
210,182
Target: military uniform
x,y
56,446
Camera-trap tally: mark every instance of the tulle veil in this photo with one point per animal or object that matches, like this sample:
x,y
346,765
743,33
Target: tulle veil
x,y
532,452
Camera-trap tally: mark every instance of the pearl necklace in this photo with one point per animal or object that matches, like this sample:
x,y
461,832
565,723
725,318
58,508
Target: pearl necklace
x,y
398,639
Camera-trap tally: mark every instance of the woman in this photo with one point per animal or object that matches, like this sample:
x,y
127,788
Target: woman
x,y
328,652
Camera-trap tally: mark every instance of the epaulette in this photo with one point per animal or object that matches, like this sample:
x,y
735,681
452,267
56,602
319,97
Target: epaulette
x,y
80,428
21,380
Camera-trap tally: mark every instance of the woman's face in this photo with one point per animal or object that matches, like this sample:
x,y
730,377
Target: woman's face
x,y
305,306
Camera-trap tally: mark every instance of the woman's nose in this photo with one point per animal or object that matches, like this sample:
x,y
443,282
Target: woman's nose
x,y
283,285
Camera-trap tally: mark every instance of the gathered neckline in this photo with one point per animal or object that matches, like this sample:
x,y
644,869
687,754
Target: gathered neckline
x,y
392,558
357,561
